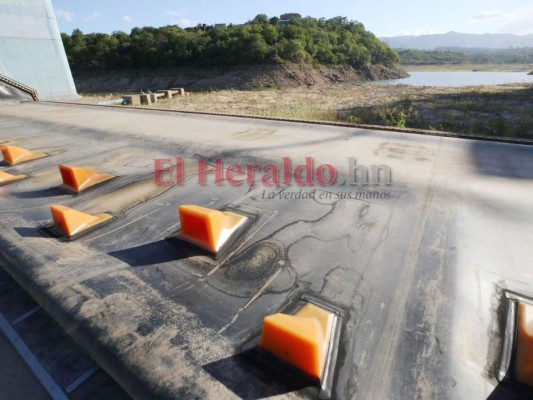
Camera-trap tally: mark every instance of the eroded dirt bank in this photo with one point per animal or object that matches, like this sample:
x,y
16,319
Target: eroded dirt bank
x,y
242,78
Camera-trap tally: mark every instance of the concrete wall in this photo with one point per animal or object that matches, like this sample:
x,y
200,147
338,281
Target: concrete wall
x,y
31,50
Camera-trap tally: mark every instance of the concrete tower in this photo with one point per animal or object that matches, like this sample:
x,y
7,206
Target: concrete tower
x,y
31,50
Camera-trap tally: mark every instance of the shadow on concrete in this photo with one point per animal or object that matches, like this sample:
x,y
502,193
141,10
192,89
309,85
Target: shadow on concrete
x,y
511,390
38,194
159,252
251,380
503,160
10,93
28,232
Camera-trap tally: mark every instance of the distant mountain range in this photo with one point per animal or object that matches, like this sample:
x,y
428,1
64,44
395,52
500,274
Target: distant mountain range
x,y
457,40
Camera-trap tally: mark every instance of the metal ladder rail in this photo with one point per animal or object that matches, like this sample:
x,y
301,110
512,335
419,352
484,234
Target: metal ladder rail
x,y
26,89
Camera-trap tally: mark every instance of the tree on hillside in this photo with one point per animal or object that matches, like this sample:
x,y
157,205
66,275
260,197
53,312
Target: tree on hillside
x,y
289,16
260,19
262,40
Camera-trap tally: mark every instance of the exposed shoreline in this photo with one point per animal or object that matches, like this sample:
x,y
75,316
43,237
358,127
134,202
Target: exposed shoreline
x,y
499,110
251,77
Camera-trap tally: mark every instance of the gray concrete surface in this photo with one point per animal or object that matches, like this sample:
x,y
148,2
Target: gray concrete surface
x,y
31,50
16,379
60,366
420,274
8,93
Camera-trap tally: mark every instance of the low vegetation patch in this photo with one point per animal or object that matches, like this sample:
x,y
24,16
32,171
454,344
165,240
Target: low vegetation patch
x,y
503,110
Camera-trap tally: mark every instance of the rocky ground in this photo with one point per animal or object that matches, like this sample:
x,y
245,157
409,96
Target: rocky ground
x,y
503,110
242,78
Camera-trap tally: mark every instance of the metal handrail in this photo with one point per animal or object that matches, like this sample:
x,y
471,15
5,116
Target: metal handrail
x,y
26,89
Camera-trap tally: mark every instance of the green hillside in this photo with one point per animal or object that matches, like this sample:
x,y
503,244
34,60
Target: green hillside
x,y
466,56
261,41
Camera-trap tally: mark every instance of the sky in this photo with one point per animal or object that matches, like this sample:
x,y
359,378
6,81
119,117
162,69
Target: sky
x,y
382,17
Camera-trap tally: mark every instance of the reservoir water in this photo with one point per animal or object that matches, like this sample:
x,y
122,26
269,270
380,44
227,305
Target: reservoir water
x,y
460,78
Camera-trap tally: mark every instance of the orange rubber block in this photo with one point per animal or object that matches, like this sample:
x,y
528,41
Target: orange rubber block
x,y
524,344
301,340
17,155
78,179
207,228
72,222
8,178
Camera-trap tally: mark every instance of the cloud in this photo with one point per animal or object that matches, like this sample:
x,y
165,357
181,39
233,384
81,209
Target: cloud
x,y
91,17
519,21
416,32
493,15
64,15
519,26
126,18
185,22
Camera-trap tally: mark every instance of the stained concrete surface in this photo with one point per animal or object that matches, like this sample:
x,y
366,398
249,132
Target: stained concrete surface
x,y
17,382
420,274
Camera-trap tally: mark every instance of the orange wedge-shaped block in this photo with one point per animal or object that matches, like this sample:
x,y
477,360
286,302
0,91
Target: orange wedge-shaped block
x,y
16,155
524,344
301,340
8,178
207,228
78,179
72,222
